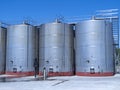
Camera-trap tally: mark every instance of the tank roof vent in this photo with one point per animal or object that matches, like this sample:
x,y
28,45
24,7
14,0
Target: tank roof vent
x,y
93,18
26,22
57,20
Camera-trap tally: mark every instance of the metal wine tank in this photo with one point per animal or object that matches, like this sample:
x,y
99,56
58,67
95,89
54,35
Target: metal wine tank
x,y
94,48
21,49
56,49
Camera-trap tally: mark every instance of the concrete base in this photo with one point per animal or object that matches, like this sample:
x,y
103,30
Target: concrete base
x,y
94,74
58,74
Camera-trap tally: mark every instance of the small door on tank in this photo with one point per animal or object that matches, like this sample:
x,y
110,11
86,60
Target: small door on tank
x,y
92,70
14,70
51,69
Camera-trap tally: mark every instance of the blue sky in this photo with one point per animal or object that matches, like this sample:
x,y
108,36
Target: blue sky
x,y
46,10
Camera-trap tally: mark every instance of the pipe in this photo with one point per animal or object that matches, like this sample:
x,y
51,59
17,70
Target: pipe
x,y
44,73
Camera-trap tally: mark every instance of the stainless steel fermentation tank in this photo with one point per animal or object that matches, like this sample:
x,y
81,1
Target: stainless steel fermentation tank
x,y
94,48
56,49
21,49
3,31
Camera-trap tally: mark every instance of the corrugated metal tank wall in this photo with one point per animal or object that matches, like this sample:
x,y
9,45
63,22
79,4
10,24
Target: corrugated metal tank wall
x,y
56,49
2,49
21,49
94,48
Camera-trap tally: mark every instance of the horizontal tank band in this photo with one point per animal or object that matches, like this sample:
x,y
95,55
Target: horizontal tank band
x,y
2,72
88,45
94,74
21,25
92,20
57,35
31,73
88,32
58,74
58,47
